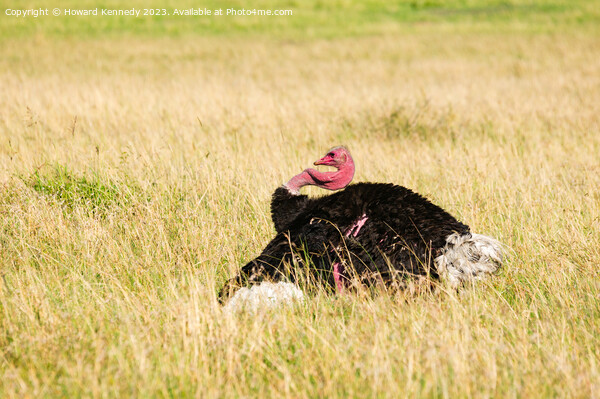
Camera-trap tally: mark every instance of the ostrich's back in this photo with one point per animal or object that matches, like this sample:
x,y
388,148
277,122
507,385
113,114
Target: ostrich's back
x,y
387,207
406,214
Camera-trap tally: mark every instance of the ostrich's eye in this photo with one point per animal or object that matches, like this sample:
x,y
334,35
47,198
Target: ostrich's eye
x,y
331,154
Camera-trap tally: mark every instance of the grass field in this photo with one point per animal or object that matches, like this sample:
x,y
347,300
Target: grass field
x,y
137,160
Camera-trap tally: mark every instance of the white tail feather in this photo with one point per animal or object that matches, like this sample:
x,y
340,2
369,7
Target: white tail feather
x,y
265,295
469,257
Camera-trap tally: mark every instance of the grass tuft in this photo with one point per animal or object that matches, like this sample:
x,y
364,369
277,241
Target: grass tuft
x,y
88,191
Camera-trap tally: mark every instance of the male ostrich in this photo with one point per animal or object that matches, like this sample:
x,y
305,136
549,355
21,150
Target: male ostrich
x,y
368,233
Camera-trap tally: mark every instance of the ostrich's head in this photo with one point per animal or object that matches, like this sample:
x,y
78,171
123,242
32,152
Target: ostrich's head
x,y
339,158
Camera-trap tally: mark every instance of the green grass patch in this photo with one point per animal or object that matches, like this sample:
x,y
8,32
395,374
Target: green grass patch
x,y
89,190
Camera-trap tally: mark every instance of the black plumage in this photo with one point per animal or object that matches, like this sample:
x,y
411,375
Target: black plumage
x,y
372,232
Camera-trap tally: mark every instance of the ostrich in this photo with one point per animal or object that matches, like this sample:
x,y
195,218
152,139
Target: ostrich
x,y
368,233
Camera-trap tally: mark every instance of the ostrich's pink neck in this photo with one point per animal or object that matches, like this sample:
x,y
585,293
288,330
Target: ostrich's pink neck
x,y
327,180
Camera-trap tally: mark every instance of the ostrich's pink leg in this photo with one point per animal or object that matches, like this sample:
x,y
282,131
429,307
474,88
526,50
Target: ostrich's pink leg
x,y
337,267
337,276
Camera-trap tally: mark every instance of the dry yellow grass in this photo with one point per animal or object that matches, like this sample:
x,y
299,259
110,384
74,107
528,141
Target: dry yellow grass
x,y
194,135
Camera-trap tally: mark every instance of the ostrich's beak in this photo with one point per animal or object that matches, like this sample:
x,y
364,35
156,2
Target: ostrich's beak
x,y
322,161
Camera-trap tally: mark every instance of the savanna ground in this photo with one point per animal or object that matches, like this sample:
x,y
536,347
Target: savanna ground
x,y
137,159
